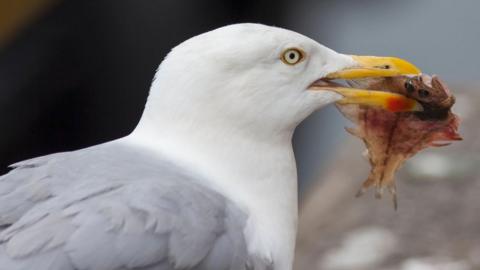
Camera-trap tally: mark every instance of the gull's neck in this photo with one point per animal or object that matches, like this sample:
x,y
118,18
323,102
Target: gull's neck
x,y
256,170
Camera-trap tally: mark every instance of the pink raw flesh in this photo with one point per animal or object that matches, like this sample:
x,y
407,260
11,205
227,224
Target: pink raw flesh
x,y
391,138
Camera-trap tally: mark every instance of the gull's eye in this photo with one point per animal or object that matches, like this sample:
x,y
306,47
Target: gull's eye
x,y
409,86
292,56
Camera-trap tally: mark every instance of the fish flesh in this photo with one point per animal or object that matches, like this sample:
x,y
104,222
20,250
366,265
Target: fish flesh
x,y
393,137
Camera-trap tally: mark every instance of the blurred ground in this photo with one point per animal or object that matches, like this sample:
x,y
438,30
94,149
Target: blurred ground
x,y
437,225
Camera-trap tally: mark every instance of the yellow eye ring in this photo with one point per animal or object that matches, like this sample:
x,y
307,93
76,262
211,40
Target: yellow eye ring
x,y
292,56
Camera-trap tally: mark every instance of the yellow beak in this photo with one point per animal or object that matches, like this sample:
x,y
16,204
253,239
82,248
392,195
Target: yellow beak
x,y
373,66
386,100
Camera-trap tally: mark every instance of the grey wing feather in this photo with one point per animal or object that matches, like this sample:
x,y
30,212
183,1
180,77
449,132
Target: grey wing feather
x,y
110,207
22,188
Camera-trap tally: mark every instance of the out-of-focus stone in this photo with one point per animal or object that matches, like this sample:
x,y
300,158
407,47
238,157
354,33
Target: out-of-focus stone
x,y
434,264
431,166
435,165
361,249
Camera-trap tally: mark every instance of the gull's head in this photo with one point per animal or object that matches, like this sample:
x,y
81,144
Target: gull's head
x,y
253,78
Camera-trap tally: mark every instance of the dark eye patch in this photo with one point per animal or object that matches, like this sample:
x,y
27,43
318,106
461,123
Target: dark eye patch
x,y
409,86
423,93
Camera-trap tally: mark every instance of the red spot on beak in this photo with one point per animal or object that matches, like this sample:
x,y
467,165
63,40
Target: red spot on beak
x,y
395,104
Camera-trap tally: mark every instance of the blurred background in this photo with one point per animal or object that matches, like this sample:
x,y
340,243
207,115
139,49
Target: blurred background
x,y
76,73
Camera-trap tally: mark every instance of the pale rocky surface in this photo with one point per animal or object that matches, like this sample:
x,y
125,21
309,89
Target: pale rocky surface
x,y
437,225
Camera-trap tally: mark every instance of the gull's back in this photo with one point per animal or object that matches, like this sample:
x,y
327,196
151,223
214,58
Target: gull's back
x,y
114,207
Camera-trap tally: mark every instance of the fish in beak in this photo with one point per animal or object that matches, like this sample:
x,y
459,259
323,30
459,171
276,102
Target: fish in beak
x,y
371,67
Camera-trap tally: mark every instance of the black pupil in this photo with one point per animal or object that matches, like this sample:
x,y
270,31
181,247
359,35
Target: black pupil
x,y
409,87
291,56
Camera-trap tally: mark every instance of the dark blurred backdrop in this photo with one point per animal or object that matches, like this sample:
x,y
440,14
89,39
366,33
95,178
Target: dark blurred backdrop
x,y
77,73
